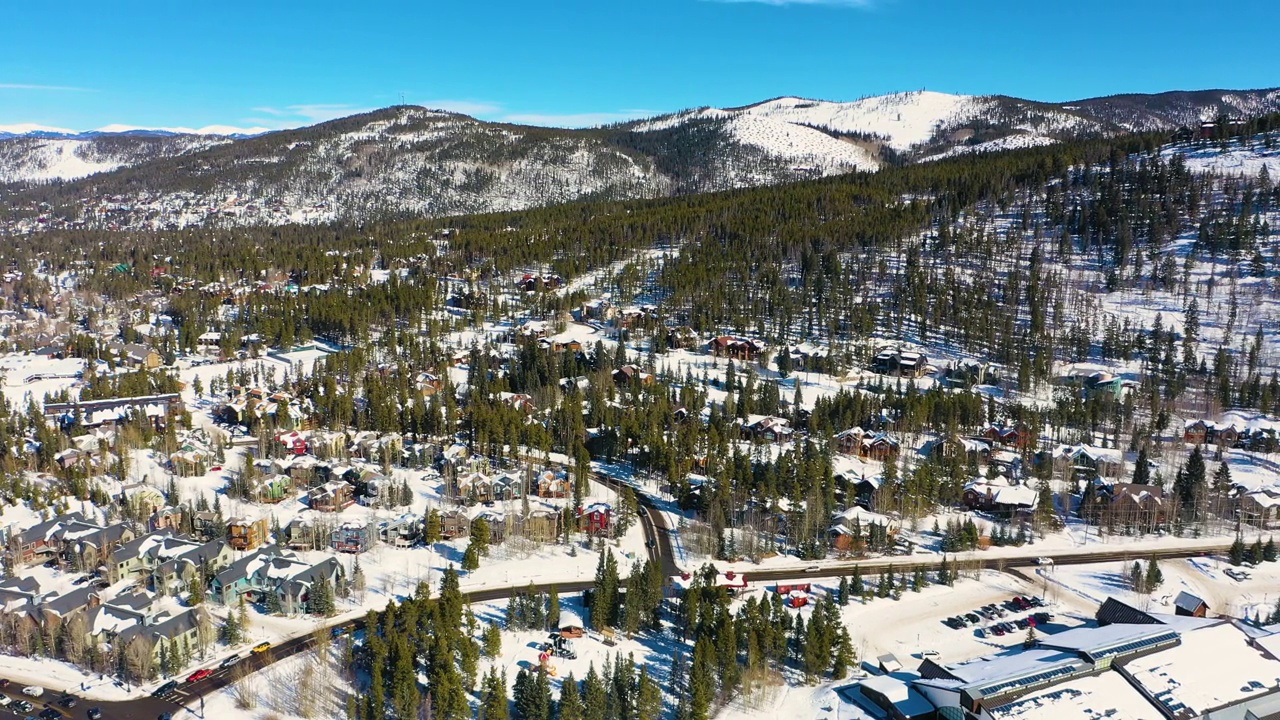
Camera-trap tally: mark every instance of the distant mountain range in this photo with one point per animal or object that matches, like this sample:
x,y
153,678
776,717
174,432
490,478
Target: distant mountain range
x,y
410,160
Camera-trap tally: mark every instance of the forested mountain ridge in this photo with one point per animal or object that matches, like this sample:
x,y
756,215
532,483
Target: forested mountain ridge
x,y
409,161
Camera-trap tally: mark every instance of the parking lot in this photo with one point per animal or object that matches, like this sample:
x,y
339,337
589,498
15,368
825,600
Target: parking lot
x,y
1017,614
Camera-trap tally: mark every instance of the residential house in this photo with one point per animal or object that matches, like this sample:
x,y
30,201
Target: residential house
x,y
270,488
498,524
596,519
1261,507
143,498
176,573
244,534
728,346
138,558
1018,436
181,630
627,374
1196,432
1137,506
972,451
39,542
167,518
402,531
768,429
1002,496
333,496
554,484
454,524
900,363
205,523
300,534
542,524
850,528
351,537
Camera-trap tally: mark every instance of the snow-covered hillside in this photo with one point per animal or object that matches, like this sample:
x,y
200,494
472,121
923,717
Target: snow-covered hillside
x,y
42,159
1234,160
410,160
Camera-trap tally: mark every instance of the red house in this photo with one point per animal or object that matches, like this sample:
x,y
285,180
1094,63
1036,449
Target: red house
x,y
596,519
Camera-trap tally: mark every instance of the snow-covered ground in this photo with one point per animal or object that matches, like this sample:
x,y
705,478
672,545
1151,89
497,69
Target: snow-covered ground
x,y
1236,160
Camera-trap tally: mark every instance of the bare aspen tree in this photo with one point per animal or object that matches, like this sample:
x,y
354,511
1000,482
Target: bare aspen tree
x,y
138,659
244,688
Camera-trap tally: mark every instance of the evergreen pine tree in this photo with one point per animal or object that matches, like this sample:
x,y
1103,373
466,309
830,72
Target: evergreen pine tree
x,y
570,705
1154,577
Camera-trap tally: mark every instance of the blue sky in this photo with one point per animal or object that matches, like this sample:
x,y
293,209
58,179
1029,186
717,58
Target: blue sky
x,y
281,63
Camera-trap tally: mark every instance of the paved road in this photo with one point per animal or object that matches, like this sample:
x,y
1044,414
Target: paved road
x,y
187,696
658,543
657,536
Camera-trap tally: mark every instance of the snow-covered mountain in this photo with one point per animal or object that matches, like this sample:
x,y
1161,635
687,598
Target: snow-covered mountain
x,y
413,161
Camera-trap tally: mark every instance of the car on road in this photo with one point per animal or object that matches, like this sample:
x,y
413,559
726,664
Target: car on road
x,y
165,689
812,569
651,544
1044,561
95,714
229,662
50,713
164,716
68,702
261,648
199,675
22,706
5,700
33,691
4,683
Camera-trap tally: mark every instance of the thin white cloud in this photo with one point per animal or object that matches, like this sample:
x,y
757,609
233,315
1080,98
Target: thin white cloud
x,y
576,120
46,88
292,116
780,3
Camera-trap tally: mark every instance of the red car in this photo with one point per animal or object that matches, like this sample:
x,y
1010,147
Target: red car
x,y
199,675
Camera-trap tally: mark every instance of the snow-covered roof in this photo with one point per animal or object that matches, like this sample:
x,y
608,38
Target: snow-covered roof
x,y
1212,666
1107,695
905,698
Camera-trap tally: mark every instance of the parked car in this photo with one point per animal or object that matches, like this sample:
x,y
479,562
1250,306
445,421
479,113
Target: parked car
x,y
980,632
973,618
998,630
33,691
199,675
1021,623
930,655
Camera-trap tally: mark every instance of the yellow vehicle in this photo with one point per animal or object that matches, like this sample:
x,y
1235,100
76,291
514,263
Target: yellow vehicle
x,y
261,647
